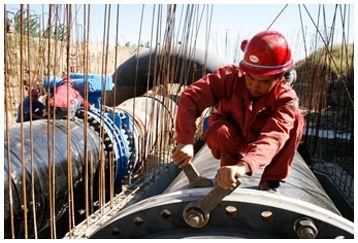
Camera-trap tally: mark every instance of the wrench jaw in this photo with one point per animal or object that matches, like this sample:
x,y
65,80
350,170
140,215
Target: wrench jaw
x,y
195,180
195,216
200,182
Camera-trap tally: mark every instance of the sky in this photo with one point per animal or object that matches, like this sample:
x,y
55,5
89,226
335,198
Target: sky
x,y
231,23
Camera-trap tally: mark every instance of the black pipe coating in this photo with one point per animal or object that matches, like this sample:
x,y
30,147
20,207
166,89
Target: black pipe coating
x,y
41,165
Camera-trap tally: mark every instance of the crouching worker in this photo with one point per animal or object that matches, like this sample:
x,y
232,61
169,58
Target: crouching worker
x,y
257,123
59,100
37,108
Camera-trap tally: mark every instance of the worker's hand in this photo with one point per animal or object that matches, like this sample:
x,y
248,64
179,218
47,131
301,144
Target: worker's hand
x,y
183,154
227,176
51,101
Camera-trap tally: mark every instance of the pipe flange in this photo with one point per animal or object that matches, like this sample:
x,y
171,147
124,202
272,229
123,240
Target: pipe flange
x,y
96,125
131,146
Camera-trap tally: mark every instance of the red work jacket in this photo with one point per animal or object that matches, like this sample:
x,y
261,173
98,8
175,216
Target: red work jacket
x,y
265,124
61,96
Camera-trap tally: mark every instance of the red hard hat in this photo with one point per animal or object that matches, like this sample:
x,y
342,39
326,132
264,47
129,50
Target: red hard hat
x,y
66,78
266,54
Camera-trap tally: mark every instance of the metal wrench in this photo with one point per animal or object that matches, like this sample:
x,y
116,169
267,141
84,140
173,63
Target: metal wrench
x,y
194,177
197,214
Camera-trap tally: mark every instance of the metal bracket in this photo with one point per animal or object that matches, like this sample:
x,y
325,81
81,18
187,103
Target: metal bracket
x,y
195,179
197,214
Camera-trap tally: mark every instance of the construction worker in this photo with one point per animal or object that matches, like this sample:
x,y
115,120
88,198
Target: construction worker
x,y
257,123
59,99
37,107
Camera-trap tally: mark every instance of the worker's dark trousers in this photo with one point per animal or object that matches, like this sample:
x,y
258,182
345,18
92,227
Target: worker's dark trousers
x,y
227,143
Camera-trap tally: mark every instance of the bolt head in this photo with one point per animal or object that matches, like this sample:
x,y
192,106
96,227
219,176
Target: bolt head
x,y
305,228
306,233
193,220
195,217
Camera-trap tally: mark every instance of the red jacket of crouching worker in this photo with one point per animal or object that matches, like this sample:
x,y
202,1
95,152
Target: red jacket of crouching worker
x,y
264,124
60,100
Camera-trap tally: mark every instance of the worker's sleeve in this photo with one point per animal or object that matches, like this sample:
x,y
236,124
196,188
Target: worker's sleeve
x,y
201,94
273,136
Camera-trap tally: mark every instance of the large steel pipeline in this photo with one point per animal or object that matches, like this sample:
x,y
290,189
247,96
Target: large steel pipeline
x,y
300,210
40,160
130,134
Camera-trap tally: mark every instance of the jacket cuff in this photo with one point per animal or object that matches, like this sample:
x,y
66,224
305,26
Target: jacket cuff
x,y
185,139
251,163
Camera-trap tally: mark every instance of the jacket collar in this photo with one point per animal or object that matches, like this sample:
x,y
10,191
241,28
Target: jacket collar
x,y
263,101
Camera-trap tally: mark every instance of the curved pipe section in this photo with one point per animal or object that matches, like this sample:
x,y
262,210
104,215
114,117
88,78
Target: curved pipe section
x,y
185,68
